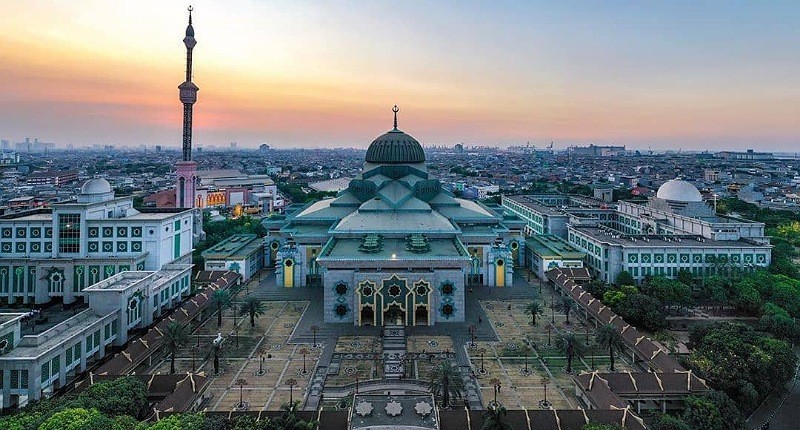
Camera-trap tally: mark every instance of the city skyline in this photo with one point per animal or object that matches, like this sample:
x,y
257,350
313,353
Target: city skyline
x,y
688,76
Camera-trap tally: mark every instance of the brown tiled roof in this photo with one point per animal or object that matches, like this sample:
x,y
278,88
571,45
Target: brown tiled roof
x,y
139,349
538,419
657,359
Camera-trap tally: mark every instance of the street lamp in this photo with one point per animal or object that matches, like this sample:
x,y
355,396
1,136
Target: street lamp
x,y
241,383
496,383
304,352
526,362
291,383
261,364
472,330
314,329
545,381
482,351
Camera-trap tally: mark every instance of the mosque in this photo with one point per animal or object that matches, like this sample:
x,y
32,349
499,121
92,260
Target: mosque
x,y
395,247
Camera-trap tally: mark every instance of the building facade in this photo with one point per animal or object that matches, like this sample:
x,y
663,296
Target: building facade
x,y
240,253
57,252
673,230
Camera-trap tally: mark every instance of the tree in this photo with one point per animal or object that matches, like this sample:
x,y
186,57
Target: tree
x,y
669,422
777,322
78,419
180,422
599,426
534,308
496,418
219,300
570,346
566,306
685,277
715,411
607,336
254,307
175,336
445,381
642,311
625,278
121,396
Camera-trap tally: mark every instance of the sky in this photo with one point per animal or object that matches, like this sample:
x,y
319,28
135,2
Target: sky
x,y
689,75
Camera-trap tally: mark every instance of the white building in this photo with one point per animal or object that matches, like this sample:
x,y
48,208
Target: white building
x,y
36,364
58,252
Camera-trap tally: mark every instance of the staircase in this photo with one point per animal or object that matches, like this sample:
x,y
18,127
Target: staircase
x,y
394,349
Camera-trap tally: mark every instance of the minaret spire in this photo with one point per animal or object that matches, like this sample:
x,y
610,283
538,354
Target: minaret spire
x,y
395,109
186,168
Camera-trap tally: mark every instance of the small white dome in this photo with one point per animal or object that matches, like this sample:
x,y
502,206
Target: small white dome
x,y
680,191
96,186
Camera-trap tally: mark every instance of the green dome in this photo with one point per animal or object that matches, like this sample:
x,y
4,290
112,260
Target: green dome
x,y
395,147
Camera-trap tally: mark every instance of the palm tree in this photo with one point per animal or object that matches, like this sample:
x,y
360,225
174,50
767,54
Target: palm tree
x,y
570,346
445,381
494,418
252,306
220,299
566,306
534,308
608,336
176,335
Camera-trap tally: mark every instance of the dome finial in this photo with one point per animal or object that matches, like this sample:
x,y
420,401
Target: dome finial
x,y
395,109
190,9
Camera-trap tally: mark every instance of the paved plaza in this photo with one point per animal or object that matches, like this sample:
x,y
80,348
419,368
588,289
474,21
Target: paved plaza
x,y
257,363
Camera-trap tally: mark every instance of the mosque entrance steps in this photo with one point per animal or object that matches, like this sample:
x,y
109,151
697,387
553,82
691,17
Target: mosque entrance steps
x,y
394,351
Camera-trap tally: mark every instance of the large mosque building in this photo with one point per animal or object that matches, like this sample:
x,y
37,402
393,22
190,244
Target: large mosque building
x,y
395,247
673,231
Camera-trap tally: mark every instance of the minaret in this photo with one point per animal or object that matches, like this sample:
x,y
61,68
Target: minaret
x,y
186,168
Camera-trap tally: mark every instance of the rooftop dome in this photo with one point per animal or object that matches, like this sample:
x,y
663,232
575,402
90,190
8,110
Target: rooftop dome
x,y
96,186
395,147
680,191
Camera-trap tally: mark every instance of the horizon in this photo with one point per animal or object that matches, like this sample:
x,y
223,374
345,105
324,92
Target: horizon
x,y
675,76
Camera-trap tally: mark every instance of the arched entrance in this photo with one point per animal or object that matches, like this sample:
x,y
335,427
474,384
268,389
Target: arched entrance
x,y
394,314
421,315
367,315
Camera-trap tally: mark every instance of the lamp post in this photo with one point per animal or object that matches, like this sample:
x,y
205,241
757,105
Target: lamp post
x,y
526,362
472,330
496,384
291,383
314,329
482,351
545,381
304,352
241,383
261,364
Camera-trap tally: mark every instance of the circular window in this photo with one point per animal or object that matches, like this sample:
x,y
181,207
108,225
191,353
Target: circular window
x,y
341,310
341,289
448,310
394,291
366,291
499,263
274,245
288,263
421,290
514,245
448,288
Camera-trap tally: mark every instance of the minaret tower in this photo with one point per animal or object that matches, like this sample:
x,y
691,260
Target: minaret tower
x,y
186,168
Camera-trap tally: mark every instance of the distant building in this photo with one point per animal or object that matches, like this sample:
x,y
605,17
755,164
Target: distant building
x,y
597,151
546,251
263,147
331,185
34,146
711,175
52,177
747,155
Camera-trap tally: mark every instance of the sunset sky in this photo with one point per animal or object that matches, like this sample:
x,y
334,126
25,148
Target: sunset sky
x,y
666,75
